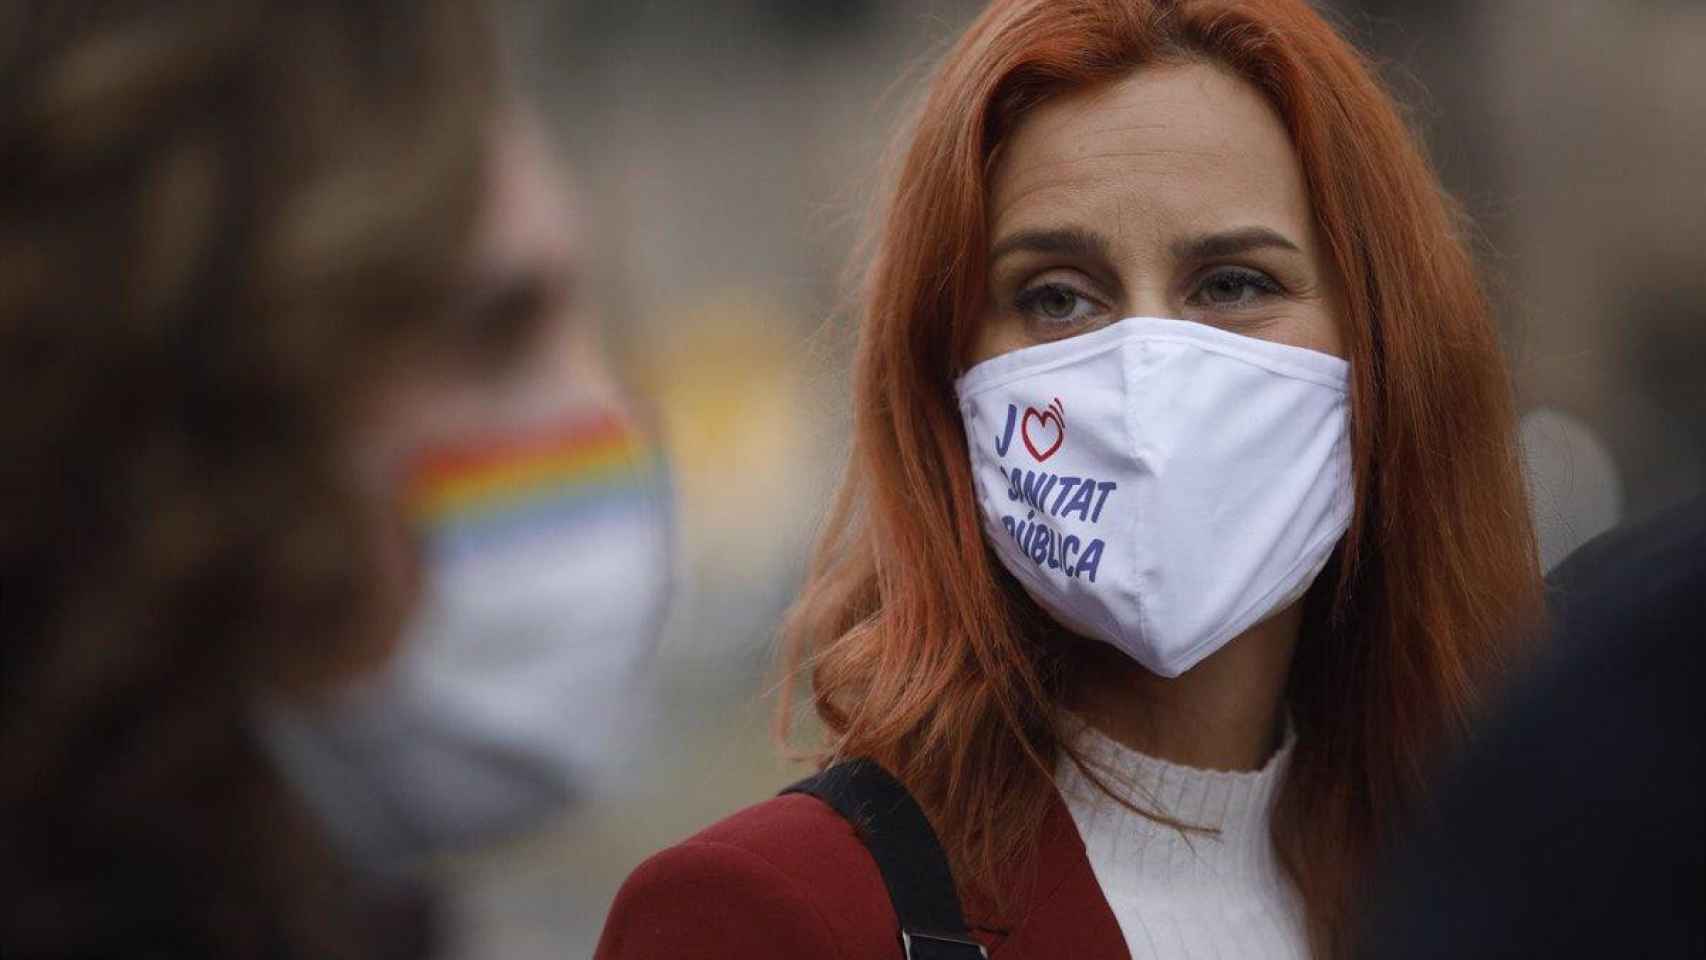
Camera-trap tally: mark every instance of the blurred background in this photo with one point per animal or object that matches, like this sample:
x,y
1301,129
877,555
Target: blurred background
x,y
727,154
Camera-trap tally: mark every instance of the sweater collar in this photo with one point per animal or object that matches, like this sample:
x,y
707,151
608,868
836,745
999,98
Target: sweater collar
x,y
1226,815
1056,876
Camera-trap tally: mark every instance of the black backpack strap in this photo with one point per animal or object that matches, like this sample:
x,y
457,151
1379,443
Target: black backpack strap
x,y
910,858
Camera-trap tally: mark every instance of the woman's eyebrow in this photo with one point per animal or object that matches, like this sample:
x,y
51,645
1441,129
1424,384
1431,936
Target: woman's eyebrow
x,y
1229,243
1071,241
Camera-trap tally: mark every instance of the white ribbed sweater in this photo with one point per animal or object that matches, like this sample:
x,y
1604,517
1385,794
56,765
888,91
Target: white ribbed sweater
x,y
1202,897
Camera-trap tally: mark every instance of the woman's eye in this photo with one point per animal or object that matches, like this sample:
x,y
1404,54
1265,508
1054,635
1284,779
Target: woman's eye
x,y
1055,304
1234,287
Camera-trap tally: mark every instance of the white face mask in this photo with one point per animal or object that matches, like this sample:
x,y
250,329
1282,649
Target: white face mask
x,y
1161,485
547,557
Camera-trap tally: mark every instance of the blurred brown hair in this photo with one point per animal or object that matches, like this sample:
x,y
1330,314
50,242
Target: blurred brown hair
x,y
925,655
220,225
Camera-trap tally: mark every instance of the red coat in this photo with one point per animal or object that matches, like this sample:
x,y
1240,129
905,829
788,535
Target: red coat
x,y
788,879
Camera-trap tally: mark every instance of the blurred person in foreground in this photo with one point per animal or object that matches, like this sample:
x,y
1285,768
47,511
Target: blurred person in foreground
x,y
1575,826
1184,529
327,539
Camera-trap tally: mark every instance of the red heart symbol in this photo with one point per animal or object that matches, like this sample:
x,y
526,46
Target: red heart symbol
x,y
1054,413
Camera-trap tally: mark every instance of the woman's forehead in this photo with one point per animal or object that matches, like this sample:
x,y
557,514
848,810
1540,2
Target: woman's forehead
x,y
1176,147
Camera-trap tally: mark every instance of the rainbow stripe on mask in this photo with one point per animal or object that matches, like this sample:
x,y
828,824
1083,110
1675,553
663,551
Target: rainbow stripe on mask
x,y
502,488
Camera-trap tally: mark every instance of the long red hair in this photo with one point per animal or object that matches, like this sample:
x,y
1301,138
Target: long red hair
x,y
925,655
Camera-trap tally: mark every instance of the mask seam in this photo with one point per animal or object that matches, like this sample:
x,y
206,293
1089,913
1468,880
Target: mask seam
x,y
1195,653
1144,458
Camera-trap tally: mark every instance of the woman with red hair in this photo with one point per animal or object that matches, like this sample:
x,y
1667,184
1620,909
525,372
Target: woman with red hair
x,y
1184,527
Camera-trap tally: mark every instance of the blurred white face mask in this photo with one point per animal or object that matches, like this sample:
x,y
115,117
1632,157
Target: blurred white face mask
x,y
546,564
1161,485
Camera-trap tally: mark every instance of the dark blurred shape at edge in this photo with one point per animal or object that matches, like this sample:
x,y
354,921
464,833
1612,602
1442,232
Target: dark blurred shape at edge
x,y
1577,825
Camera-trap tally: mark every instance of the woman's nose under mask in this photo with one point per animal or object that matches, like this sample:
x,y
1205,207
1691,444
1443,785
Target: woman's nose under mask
x,y
1161,485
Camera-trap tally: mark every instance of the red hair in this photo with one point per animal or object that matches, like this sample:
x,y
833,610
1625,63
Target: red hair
x,y
925,655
